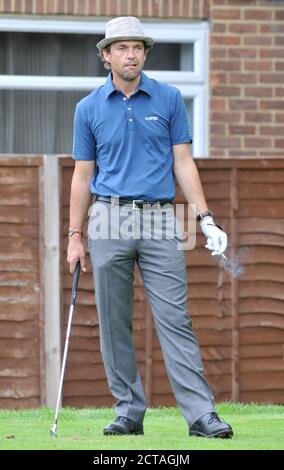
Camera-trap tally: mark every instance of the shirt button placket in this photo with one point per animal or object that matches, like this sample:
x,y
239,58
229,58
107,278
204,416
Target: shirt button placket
x,y
130,117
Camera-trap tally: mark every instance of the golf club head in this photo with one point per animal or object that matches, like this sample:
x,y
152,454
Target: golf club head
x,y
53,431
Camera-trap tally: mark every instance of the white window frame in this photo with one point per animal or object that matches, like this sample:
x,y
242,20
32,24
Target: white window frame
x,y
193,85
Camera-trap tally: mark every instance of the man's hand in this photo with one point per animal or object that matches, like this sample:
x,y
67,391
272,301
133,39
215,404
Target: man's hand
x,y
76,252
216,237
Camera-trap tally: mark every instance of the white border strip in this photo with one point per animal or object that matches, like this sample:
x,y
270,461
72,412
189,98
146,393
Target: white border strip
x,y
47,82
159,30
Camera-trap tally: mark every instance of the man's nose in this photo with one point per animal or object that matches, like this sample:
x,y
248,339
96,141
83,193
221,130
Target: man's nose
x,y
131,53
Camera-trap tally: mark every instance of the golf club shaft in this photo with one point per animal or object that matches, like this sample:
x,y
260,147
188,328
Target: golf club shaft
x,y
71,311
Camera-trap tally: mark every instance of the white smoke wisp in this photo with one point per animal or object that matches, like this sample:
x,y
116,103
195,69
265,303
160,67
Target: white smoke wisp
x,y
233,266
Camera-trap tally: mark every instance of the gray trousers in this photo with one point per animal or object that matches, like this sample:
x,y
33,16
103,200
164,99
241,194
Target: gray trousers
x,y
119,237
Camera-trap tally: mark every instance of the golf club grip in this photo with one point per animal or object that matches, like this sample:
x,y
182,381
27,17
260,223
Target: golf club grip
x,y
75,283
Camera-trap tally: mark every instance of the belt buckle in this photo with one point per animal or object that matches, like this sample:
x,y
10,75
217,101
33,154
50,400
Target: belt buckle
x,y
158,205
134,204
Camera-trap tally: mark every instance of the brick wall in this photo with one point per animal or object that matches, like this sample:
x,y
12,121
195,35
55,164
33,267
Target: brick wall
x,y
247,75
153,8
246,60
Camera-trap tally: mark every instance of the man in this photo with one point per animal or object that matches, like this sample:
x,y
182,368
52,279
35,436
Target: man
x,y
136,131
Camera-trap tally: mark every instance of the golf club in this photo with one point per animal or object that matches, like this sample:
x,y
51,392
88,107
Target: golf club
x,y
71,310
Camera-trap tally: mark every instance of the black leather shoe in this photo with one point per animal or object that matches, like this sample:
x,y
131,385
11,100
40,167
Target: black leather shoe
x,y
122,426
210,425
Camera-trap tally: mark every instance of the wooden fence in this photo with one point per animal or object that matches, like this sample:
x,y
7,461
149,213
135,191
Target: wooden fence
x,y
21,321
239,321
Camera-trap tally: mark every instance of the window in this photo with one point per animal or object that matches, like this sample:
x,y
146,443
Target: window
x,y
46,66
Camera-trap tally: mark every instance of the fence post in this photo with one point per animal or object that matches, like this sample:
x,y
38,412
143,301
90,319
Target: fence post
x,y
234,288
51,276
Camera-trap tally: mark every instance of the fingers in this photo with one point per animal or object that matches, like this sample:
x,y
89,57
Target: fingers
x,y
73,264
209,245
212,244
76,253
217,244
222,244
83,263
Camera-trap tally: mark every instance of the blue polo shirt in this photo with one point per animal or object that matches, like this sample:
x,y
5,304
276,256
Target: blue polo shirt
x,y
131,139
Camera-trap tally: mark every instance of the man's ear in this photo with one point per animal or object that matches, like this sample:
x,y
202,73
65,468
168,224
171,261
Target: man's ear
x,y
146,53
106,54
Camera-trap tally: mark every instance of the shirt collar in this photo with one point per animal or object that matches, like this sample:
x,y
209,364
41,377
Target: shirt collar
x,y
109,86
145,85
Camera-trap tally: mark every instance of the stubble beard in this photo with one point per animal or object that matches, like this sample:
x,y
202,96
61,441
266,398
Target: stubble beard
x,y
130,76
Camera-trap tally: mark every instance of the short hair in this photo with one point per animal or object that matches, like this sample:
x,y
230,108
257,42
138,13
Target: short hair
x,y
100,54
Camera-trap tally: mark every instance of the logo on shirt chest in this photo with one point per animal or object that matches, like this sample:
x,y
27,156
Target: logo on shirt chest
x,y
151,118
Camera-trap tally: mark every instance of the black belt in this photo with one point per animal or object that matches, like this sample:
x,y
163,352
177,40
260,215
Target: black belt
x,y
136,203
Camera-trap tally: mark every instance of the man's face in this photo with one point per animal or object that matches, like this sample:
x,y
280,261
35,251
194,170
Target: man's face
x,y
126,58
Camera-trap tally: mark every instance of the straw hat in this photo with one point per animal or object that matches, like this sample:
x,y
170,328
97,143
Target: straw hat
x,y
124,28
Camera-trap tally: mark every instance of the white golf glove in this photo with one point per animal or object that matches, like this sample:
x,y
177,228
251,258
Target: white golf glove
x,y
216,237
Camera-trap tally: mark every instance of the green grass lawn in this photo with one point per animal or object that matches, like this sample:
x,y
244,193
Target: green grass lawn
x,y
255,427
